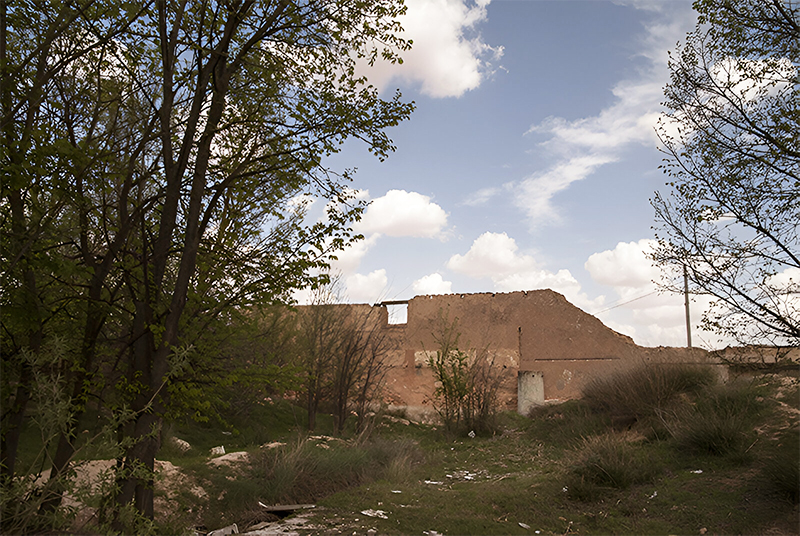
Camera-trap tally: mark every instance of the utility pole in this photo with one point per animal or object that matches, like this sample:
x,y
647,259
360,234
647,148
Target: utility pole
x,y
686,304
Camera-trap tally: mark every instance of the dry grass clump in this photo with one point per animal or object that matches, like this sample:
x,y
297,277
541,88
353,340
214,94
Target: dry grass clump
x,y
720,422
645,391
782,469
608,461
308,470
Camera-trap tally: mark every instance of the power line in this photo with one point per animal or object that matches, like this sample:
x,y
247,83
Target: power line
x,y
626,302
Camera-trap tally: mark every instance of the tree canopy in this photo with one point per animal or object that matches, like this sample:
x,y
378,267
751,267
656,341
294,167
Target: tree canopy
x,y
733,158
152,154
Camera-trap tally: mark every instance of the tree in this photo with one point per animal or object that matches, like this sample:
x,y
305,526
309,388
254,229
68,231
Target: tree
x,y
343,351
153,149
733,157
359,366
467,383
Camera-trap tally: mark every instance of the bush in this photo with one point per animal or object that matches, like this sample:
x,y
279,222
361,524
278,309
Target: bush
x,y
467,383
782,469
565,424
646,391
721,422
608,461
312,469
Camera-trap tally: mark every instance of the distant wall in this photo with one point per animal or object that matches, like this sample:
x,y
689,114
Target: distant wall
x,y
537,340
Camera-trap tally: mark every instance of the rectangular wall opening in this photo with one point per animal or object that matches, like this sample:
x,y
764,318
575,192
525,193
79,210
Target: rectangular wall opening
x,y
398,313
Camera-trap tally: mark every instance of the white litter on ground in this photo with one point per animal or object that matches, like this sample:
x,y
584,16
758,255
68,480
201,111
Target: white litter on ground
x,y
375,513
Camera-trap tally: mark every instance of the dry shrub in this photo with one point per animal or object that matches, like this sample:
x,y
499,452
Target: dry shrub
x,y
607,461
782,469
307,471
721,421
645,391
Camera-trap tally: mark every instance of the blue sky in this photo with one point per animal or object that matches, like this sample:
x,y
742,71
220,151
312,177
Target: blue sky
x,y
529,161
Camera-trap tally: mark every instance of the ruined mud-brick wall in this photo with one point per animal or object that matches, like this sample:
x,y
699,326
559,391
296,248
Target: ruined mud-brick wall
x,y
545,347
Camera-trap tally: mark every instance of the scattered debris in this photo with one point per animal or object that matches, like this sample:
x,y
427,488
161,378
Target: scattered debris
x,y
259,526
273,445
230,458
397,420
286,509
471,434
325,438
697,471
653,496
466,475
218,451
375,513
396,491
180,444
525,526
434,482
230,529
285,527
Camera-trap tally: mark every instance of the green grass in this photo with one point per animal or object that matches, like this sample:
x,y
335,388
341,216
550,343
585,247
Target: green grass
x,y
568,469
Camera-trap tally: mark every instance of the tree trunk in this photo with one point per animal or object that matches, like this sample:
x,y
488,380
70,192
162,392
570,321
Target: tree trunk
x,y
13,425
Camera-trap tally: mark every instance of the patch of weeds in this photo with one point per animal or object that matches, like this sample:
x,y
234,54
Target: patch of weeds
x,y
262,424
781,470
608,461
565,425
721,422
632,394
308,470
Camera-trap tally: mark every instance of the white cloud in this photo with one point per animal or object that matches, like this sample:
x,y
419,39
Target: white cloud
x,y
398,213
583,145
366,288
401,213
348,259
491,255
481,196
642,311
432,284
496,256
785,286
448,56
624,266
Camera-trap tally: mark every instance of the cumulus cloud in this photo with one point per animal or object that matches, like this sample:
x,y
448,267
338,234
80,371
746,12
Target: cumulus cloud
x,y
348,259
432,284
583,145
366,288
497,256
642,311
401,213
491,255
624,266
448,56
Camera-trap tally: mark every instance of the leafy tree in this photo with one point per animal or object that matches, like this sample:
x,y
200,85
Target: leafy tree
x,y
151,154
467,383
733,157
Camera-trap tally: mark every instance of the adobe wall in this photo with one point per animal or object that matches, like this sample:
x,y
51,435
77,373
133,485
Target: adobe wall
x,y
537,339
544,348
